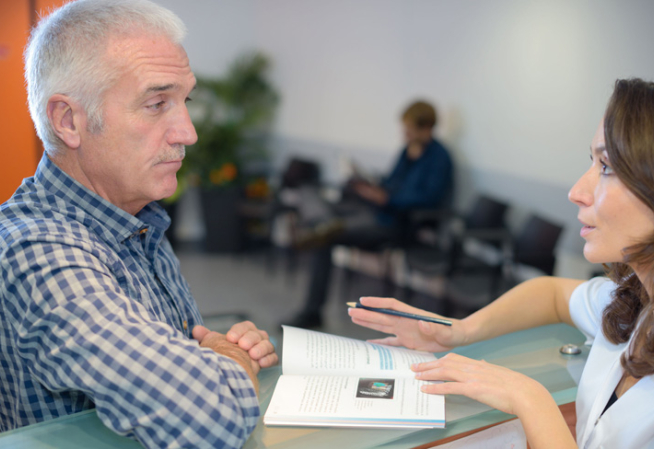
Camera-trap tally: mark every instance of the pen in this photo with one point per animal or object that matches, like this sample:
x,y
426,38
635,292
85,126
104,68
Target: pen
x,y
413,316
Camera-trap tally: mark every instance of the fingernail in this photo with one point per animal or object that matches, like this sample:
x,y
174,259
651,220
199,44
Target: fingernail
x,y
423,388
414,366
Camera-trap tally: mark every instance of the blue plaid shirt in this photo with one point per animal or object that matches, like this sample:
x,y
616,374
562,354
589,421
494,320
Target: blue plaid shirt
x,y
95,313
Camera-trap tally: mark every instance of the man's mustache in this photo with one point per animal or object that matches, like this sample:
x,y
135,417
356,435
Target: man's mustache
x,y
176,153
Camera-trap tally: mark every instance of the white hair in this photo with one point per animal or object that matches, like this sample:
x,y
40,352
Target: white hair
x,y
65,55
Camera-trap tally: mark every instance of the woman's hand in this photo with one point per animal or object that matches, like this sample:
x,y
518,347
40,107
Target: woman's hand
x,y
493,385
419,335
503,389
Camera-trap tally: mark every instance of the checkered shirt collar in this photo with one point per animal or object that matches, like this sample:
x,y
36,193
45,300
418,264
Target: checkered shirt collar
x,y
120,223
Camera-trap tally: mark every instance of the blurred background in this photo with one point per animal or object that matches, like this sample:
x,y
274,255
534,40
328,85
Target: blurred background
x,y
520,87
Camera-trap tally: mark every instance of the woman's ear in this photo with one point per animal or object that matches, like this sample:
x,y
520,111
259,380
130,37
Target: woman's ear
x,y
66,117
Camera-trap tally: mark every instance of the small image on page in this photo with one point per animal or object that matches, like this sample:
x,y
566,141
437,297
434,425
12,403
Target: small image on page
x,y
376,388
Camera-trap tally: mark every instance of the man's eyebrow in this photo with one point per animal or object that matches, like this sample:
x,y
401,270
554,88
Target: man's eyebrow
x,y
162,88
165,87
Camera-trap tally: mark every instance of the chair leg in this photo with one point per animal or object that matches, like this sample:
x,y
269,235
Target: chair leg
x,y
291,265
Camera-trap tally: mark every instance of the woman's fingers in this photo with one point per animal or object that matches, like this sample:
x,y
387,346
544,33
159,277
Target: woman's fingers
x,y
373,317
493,385
388,303
451,367
446,388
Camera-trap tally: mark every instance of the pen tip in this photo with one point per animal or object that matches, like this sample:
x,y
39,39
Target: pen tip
x,y
351,304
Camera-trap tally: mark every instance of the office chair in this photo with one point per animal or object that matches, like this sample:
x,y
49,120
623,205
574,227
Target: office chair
x,y
283,214
474,285
484,222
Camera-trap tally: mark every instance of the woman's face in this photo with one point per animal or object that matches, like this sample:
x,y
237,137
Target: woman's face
x,y
613,218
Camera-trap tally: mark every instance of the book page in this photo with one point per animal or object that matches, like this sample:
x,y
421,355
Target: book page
x,y
315,353
353,402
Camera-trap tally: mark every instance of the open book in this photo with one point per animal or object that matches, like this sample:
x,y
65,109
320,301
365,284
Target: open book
x,y
342,382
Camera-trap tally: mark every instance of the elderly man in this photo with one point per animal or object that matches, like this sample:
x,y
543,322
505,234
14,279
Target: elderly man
x,y
94,310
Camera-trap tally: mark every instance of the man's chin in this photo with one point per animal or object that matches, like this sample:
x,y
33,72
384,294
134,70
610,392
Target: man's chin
x,y
168,190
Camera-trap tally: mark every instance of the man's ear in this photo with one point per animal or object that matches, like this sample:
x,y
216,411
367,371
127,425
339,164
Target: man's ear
x,y
66,117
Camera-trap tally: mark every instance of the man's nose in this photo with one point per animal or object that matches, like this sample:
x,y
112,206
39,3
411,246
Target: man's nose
x,y
184,131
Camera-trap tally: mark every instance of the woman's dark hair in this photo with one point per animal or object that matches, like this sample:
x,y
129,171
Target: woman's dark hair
x,y
629,136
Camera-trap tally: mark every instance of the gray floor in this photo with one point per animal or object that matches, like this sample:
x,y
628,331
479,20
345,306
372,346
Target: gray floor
x,y
223,284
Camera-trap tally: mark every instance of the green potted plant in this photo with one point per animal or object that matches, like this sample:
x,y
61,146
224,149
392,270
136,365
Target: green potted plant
x,y
231,116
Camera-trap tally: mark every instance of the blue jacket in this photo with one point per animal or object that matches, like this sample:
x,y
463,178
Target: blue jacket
x,y
415,184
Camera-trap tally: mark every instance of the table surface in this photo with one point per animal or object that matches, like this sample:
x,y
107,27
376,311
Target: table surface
x,y
534,352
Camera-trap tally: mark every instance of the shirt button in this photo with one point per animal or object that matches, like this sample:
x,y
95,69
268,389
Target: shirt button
x,y
185,324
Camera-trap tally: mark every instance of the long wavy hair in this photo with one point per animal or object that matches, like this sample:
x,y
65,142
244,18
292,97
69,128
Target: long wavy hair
x,y
629,135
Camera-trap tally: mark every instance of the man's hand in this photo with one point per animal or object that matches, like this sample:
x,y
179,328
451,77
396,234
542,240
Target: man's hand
x,y
374,194
244,343
221,345
255,341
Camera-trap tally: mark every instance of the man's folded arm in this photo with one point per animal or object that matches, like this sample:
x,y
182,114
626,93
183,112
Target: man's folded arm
x,y
78,330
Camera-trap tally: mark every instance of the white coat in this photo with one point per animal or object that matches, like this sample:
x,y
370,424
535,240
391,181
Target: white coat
x,y
629,422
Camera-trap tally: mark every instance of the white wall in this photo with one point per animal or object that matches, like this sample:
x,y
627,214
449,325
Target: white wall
x,y
521,84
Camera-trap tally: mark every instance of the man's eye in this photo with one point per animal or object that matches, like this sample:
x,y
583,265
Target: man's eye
x,y
156,106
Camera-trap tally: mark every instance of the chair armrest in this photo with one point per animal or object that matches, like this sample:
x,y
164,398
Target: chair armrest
x,y
499,235
421,215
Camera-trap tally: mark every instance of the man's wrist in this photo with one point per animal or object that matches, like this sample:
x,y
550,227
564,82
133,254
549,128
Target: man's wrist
x,y
220,345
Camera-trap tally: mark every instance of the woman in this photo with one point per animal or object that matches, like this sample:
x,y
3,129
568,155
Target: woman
x,y
615,399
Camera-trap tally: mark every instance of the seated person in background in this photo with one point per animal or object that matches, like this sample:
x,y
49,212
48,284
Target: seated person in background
x,y
615,399
421,178
94,312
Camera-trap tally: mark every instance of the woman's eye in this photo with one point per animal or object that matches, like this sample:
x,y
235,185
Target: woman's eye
x,y
605,170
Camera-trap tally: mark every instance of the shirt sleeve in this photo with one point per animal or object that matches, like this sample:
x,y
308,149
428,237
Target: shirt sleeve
x,y
77,329
587,305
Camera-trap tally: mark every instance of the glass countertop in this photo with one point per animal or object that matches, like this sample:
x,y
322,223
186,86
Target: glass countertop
x,y
534,352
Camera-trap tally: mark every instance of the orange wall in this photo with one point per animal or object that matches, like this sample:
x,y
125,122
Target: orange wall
x,y
18,154
19,146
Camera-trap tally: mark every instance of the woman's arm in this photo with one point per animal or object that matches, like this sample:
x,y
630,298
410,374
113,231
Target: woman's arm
x,y
533,303
503,389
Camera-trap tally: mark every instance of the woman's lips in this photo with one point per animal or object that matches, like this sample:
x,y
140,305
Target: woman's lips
x,y
585,230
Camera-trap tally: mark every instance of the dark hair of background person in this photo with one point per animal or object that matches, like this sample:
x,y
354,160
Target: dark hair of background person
x,y
421,114
629,135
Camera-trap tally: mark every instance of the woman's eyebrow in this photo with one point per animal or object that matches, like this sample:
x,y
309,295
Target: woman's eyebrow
x,y
598,150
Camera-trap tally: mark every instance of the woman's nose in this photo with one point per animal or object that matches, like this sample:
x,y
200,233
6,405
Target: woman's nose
x,y
581,192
